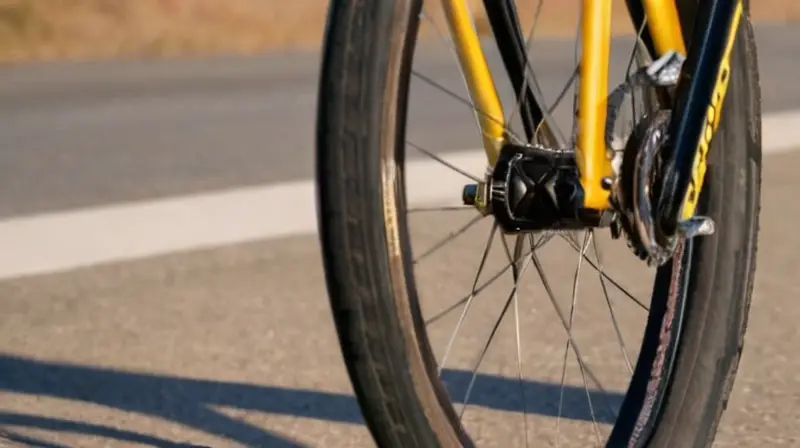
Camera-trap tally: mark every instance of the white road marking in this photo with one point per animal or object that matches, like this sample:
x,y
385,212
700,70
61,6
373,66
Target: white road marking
x,y
67,240
780,132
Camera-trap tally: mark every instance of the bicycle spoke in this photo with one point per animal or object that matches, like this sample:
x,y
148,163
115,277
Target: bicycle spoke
x,y
453,235
554,137
524,86
557,136
575,349
487,248
597,256
572,308
563,93
547,112
571,237
454,53
515,273
489,342
475,108
445,208
442,161
637,53
637,47
544,240
447,41
610,279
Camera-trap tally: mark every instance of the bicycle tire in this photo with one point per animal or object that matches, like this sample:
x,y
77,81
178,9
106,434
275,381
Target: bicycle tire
x,y
365,245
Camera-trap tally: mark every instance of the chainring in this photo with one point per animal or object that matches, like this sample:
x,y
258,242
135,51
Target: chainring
x,y
624,195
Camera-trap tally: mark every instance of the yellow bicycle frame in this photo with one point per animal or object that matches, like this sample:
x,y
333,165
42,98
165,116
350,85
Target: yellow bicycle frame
x,y
591,152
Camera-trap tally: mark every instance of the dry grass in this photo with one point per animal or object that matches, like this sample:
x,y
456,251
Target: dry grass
x,y
48,29
79,29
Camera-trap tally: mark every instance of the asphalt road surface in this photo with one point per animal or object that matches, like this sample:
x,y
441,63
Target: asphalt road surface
x,y
152,296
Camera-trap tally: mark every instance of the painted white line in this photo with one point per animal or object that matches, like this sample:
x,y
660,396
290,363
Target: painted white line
x,y
780,132
66,240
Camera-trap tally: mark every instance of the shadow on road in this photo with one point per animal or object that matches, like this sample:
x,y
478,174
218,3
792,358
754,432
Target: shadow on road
x,y
190,402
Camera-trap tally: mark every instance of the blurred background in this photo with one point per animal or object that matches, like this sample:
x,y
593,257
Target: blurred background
x,y
33,30
160,280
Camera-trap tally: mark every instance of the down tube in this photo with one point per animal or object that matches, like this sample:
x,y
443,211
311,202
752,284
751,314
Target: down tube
x,y
477,75
592,159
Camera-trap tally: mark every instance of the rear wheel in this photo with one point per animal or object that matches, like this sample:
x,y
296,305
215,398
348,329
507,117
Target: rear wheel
x,y
407,367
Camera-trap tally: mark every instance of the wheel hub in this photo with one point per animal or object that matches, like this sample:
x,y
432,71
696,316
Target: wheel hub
x,y
533,188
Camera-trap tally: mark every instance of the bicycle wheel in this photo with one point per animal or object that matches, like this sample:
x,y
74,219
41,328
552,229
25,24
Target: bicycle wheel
x,y
409,375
